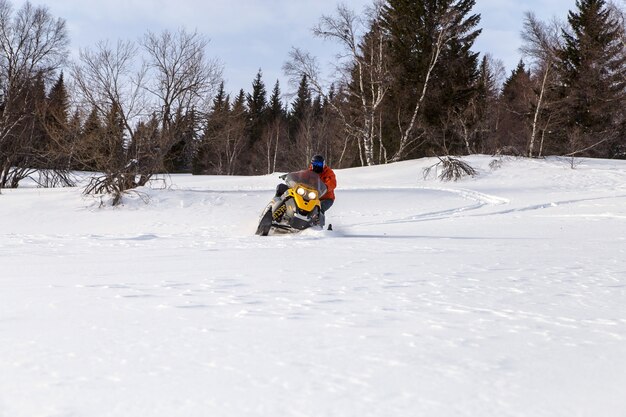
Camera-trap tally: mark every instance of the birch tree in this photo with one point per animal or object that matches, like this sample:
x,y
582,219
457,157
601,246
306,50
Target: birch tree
x,y
363,68
430,43
541,43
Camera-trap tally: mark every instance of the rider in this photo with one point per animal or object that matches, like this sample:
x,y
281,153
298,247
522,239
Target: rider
x,y
326,175
318,165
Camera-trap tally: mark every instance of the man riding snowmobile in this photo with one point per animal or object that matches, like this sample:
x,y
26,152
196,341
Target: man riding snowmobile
x,y
301,201
327,175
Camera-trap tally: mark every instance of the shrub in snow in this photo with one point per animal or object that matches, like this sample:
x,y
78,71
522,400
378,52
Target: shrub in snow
x,y
451,169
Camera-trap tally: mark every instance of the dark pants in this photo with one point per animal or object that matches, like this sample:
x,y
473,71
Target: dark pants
x,y
326,204
280,189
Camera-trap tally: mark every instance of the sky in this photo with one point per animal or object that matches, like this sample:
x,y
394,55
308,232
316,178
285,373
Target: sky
x,y
248,35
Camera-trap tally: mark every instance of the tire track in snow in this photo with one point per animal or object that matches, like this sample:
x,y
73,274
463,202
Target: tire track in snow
x,y
486,199
479,199
553,204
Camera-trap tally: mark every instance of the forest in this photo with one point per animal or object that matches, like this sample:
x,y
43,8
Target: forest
x,y
410,85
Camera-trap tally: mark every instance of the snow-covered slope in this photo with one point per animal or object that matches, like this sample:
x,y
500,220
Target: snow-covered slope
x,y
499,295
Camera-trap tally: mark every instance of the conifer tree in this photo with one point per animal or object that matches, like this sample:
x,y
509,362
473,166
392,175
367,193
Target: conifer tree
x,y
58,104
239,108
434,69
300,124
34,45
275,105
209,158
592,65
37,136
91,146
30,144
178,158
225,138
274,132
257,100
74,126
257,120
56,120
486,104
517,93
221,100
92,125
301,106
113,139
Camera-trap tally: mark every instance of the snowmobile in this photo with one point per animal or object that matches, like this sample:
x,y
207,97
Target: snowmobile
x,y
296,205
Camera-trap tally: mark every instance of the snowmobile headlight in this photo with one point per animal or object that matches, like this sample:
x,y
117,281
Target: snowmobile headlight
x,y
312,195
300,191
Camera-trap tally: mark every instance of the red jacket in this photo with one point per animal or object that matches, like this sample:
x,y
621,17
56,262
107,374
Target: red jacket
x,y
328,177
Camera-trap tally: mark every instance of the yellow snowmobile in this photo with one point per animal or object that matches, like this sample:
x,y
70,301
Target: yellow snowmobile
x,y
296,205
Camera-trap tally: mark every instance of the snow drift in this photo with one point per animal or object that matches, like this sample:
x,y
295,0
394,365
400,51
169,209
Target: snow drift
x,y
499,295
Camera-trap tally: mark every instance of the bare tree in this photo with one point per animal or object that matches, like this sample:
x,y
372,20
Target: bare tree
x,y
110,75
363,68
228,144
541,43
270,145
110,81
181,77
32,44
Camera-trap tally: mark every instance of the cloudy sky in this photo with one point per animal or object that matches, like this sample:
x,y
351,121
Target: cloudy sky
x,y
248,35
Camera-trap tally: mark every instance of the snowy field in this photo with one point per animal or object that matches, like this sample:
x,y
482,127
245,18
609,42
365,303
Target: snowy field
x,y
499,295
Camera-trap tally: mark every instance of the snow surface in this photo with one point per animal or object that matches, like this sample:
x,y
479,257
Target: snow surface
x,y
499,295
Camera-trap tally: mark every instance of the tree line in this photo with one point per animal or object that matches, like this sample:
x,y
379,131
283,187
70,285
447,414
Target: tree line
x,y
409,85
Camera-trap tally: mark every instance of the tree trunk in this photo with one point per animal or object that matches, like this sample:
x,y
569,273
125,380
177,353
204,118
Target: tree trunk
x,y
405,140
537,110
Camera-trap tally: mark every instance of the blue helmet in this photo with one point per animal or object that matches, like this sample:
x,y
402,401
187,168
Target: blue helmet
x,y
317,163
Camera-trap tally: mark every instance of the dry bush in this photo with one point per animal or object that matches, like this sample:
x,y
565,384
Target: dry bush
x,y
452,169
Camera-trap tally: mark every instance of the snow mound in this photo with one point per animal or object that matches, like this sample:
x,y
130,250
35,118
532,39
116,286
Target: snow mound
x,y
498,295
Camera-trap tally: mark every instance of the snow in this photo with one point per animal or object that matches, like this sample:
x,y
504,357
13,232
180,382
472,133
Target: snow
x,y
499,295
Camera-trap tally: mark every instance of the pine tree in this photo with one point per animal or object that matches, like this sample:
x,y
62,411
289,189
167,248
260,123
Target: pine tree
x,y
56,121
274,132
58,106
90,147
209,158
92,125
221,100
301,106
179,157
592,65
430,48
35,134
239,108
486,103
257,100
113,144
224,138
257,121
517,93
74,126
275,105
